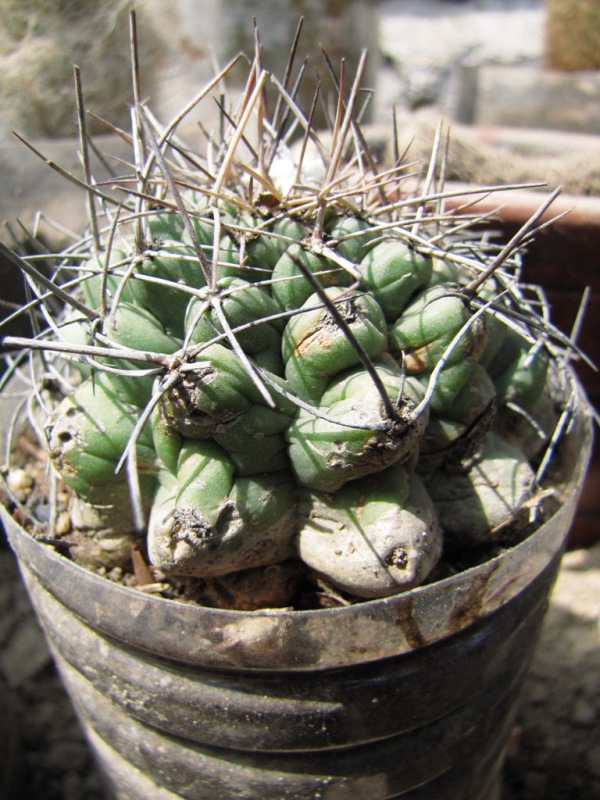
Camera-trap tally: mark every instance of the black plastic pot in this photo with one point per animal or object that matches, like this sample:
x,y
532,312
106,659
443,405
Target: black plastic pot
x,y
412,696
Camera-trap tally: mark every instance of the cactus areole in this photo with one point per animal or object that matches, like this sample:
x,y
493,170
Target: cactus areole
x,y
274,369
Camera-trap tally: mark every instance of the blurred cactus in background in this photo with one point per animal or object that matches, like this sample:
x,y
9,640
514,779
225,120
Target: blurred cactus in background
x,y
573,34
39,42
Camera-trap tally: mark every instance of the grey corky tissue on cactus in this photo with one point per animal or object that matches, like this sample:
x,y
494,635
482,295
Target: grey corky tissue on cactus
x,y
281,371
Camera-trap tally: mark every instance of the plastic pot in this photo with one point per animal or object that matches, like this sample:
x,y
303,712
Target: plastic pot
x,y
411,696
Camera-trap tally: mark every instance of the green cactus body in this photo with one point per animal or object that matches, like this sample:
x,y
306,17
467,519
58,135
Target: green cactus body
x,y
136,328
315,348
351,237
444,272
230,262
478,506
455,436
497,332
291,289
86,439
264,248
528,431
133,327
93,283
393,272
206,522
175,267
304,387
325,455
216,392
167,441
374,537
423,333
88,435
242,303
505,356
523,379
74,329
255,441
166,226
428,326
473,399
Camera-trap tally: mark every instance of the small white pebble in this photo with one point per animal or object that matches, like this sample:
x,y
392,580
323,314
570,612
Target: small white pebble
x,y
19,481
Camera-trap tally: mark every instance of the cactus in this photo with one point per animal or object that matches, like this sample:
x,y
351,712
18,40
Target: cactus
x,y
282,355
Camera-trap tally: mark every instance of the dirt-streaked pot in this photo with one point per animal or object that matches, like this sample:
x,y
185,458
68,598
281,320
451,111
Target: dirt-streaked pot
x,y
412,696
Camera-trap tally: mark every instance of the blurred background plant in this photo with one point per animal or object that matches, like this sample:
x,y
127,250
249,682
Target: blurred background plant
x,y
573,34
40,40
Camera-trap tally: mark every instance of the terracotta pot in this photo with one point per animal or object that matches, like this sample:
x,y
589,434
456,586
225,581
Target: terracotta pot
x,y
411,696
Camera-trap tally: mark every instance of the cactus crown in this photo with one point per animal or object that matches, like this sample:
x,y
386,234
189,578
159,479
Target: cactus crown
x,y
279,358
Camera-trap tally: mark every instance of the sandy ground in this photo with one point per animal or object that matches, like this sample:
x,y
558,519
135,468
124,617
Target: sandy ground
x,y
555,754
